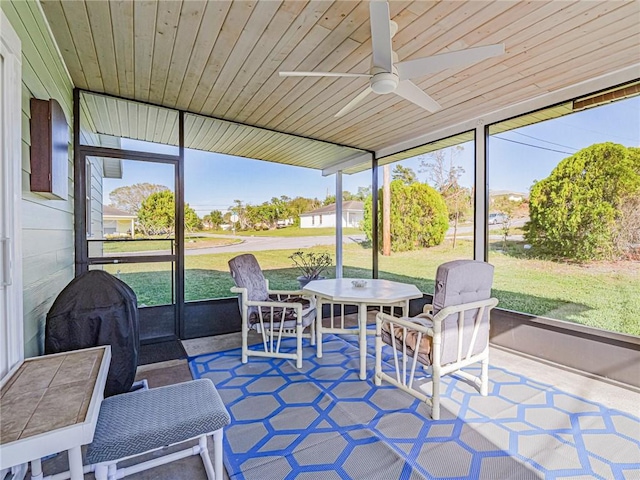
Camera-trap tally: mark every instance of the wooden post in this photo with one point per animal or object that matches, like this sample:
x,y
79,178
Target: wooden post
x,y
386,211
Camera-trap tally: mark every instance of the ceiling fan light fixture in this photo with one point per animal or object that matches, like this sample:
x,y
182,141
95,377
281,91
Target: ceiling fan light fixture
x,y
384,82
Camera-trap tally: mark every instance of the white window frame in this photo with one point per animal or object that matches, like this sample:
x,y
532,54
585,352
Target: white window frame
x,y
11,318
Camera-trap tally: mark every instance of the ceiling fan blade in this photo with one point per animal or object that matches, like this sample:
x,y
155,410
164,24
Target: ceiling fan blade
x,y
381,35
436,63
410,91
353,103
323,74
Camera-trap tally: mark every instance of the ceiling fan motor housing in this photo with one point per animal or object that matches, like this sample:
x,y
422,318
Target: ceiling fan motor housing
x,y
384,82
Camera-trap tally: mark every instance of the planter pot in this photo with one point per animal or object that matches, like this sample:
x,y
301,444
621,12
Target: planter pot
x,y
302,280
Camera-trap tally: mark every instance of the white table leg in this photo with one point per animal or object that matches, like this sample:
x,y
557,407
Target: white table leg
x,y
75,463
319,327
362,325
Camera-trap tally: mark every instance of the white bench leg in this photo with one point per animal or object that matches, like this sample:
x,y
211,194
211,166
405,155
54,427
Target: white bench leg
x,y
218,437
101,472
206,460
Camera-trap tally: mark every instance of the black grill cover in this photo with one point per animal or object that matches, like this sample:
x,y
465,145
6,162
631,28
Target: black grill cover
x,y
96,309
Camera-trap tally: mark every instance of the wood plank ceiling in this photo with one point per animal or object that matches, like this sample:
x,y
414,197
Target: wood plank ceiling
x,y
221,59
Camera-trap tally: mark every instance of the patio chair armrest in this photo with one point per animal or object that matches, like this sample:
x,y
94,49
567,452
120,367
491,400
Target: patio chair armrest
x,y
423,322
428,308
238,290
445,312
256,303
297,293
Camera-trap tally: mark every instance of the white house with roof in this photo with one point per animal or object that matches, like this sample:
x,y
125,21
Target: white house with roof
x,y
118,222
352,215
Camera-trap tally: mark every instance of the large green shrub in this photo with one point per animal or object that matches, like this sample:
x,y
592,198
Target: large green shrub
x,y
419,216
157,212
575,211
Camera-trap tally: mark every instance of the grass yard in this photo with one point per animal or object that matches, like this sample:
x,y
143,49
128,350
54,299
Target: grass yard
x,y
602,295
159,245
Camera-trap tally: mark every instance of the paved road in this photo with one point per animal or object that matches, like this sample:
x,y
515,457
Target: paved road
x,y
252,244
469,228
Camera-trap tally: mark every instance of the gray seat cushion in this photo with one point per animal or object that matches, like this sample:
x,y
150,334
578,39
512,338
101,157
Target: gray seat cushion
x,y
308,313
134,423
458,282
246,273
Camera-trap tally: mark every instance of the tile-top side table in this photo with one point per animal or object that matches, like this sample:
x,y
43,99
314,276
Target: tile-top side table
x,y
50,404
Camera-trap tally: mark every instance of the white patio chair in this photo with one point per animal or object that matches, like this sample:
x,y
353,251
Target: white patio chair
x,y
449,335
274,314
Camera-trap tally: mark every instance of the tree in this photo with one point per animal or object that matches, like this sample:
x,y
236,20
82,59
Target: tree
x,y
444,176
157,215
191,220
130,197
419,216
577,211
406,174
441,171
363,192
241,211
626,236
302,205
507,209
214,219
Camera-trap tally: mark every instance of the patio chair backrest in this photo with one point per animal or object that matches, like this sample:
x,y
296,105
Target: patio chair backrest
x,y
246,273
459,282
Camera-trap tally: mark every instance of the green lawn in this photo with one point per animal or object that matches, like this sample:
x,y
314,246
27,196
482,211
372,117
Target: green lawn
x,y
602,295
128,246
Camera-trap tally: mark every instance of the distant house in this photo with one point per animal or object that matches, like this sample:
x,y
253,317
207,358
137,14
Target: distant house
x,y
509,195
117,223
352,216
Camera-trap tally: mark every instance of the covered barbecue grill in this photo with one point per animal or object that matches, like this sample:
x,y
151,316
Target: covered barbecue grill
x,y
96,309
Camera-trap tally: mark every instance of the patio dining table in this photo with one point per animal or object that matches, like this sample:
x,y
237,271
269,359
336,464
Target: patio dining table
x,y
373,292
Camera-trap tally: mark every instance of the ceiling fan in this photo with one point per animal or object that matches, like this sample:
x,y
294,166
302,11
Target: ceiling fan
x,y
387,75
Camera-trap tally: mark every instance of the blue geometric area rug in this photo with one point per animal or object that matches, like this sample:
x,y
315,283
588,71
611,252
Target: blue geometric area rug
x,y
322,422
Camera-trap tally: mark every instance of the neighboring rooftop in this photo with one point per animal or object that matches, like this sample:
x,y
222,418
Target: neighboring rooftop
x,y
350,205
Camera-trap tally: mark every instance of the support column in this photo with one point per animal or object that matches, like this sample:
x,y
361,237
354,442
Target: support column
x,y
481,193
339,224
374,216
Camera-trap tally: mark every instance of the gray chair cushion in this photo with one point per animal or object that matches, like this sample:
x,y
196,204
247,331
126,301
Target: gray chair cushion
x,y
308,313
136,422
411,341
246,273
457,282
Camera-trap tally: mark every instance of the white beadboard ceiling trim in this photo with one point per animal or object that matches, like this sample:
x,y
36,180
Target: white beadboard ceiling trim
x,y
220,60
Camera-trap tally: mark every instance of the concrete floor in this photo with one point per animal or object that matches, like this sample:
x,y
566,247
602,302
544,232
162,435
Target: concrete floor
x,y
165,373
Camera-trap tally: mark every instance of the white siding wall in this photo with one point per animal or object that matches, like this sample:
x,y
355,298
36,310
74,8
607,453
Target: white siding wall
x,y
318,221
329,220
48,248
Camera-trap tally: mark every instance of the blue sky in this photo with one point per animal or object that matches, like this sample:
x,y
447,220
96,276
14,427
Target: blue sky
x,y
214,181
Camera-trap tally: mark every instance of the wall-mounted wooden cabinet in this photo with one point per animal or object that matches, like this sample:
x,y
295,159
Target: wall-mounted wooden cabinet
x,y
49,149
